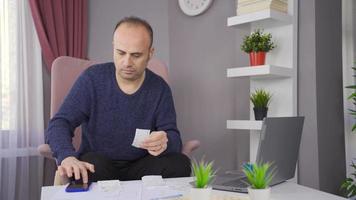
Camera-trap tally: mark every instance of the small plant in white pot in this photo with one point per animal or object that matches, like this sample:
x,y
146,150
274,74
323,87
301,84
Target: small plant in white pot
x,y
259,176
204,173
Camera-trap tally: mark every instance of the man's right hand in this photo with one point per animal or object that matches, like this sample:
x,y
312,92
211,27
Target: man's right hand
x,y
72,165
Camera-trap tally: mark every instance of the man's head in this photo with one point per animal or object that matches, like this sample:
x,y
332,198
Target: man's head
x,y
132,48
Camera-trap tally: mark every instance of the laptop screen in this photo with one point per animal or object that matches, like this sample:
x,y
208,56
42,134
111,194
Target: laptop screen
x,y
279,143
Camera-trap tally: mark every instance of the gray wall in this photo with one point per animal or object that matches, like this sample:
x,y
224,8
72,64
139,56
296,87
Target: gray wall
x,y
308,173
103,16
322,154
197,50
201,48
354,25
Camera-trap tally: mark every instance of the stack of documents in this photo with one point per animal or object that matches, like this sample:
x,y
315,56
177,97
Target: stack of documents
x,y
250,6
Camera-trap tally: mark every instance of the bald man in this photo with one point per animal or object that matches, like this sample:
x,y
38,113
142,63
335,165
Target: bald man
x,y
110,101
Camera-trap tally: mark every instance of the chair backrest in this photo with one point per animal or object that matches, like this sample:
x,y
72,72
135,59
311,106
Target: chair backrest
x,y
66,70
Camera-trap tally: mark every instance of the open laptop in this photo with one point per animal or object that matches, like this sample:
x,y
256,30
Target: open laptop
x,y
279,143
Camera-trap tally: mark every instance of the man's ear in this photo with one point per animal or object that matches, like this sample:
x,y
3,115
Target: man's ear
x,y
151,53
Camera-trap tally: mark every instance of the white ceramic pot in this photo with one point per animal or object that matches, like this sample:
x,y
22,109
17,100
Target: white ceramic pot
x,y
259,194
200,193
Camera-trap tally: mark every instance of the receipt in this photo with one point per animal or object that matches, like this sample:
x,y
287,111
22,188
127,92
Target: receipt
x,y
140,136
109,185
152,181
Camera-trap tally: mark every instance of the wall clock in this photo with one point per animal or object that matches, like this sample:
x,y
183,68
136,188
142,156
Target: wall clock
x,y
194,7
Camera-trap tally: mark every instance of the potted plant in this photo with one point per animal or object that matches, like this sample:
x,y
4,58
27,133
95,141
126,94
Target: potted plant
x,y
353,98
348,186
259,176
260,100
257,44
204,173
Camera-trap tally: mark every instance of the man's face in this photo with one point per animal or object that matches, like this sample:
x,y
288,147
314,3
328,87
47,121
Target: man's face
x,y
131,46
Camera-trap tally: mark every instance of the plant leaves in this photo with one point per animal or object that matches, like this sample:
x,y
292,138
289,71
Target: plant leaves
x,y
260,98
257,41
203,173
353,127
259,175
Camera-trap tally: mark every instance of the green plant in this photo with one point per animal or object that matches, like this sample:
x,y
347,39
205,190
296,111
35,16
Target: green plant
x,y
203,172
349,185
259,175
257,41
260,98
352,97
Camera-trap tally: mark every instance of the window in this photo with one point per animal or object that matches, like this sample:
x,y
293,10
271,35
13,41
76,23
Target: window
x,y
5,54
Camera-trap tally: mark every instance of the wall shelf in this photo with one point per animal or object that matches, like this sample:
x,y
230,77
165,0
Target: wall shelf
x,y
261,71
279,76
265,15
244,124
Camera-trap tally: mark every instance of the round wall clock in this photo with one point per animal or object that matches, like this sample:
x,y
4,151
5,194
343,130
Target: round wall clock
x,y
194,7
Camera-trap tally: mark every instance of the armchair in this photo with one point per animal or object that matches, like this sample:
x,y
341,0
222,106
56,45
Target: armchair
x,y
65,70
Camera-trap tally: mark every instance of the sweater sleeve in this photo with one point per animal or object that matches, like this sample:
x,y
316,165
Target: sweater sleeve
x,y
73,112
166,121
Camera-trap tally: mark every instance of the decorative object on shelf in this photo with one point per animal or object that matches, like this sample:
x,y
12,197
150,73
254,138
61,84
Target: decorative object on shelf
x,y
204,173
348,186
257,44
353,98
194,7
259,176
260,99
250,6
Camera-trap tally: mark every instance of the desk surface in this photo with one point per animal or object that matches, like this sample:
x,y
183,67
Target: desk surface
x,y
284,191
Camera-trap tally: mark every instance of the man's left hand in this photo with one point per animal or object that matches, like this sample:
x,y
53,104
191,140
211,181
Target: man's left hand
x,y
156,143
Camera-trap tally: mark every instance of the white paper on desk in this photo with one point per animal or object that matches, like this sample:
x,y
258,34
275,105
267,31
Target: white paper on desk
x,y
149,193
140,136
130,190
93,193
152,181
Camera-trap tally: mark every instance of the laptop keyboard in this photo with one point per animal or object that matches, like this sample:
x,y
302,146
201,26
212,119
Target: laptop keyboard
x,y
240,183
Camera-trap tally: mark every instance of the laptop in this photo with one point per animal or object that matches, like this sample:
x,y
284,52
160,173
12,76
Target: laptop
x,y
279,143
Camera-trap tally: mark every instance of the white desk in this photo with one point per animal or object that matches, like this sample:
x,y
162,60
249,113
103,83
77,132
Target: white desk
x,y
284,191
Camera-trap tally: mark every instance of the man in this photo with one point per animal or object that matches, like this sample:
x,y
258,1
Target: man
x,y
111,101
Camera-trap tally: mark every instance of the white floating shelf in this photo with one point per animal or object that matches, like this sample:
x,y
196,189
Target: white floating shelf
x,y
260,71
244,124
265,15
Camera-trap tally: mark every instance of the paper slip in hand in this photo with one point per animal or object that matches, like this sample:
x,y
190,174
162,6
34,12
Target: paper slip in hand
x,y
140,136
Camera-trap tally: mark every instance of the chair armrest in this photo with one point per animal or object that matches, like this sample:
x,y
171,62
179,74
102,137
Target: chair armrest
x,y
45,151
59,180
190,146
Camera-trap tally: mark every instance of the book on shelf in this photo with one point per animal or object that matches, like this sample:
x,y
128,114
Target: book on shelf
x,y
251,1
250,6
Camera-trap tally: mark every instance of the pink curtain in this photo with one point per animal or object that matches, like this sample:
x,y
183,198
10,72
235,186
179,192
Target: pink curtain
x,y
62,27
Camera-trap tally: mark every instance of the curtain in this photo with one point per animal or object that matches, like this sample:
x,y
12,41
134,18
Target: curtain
x,y
61,27
21,103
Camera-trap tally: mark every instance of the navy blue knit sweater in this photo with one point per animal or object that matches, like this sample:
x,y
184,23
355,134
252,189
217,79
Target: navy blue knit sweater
x,y
109,117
